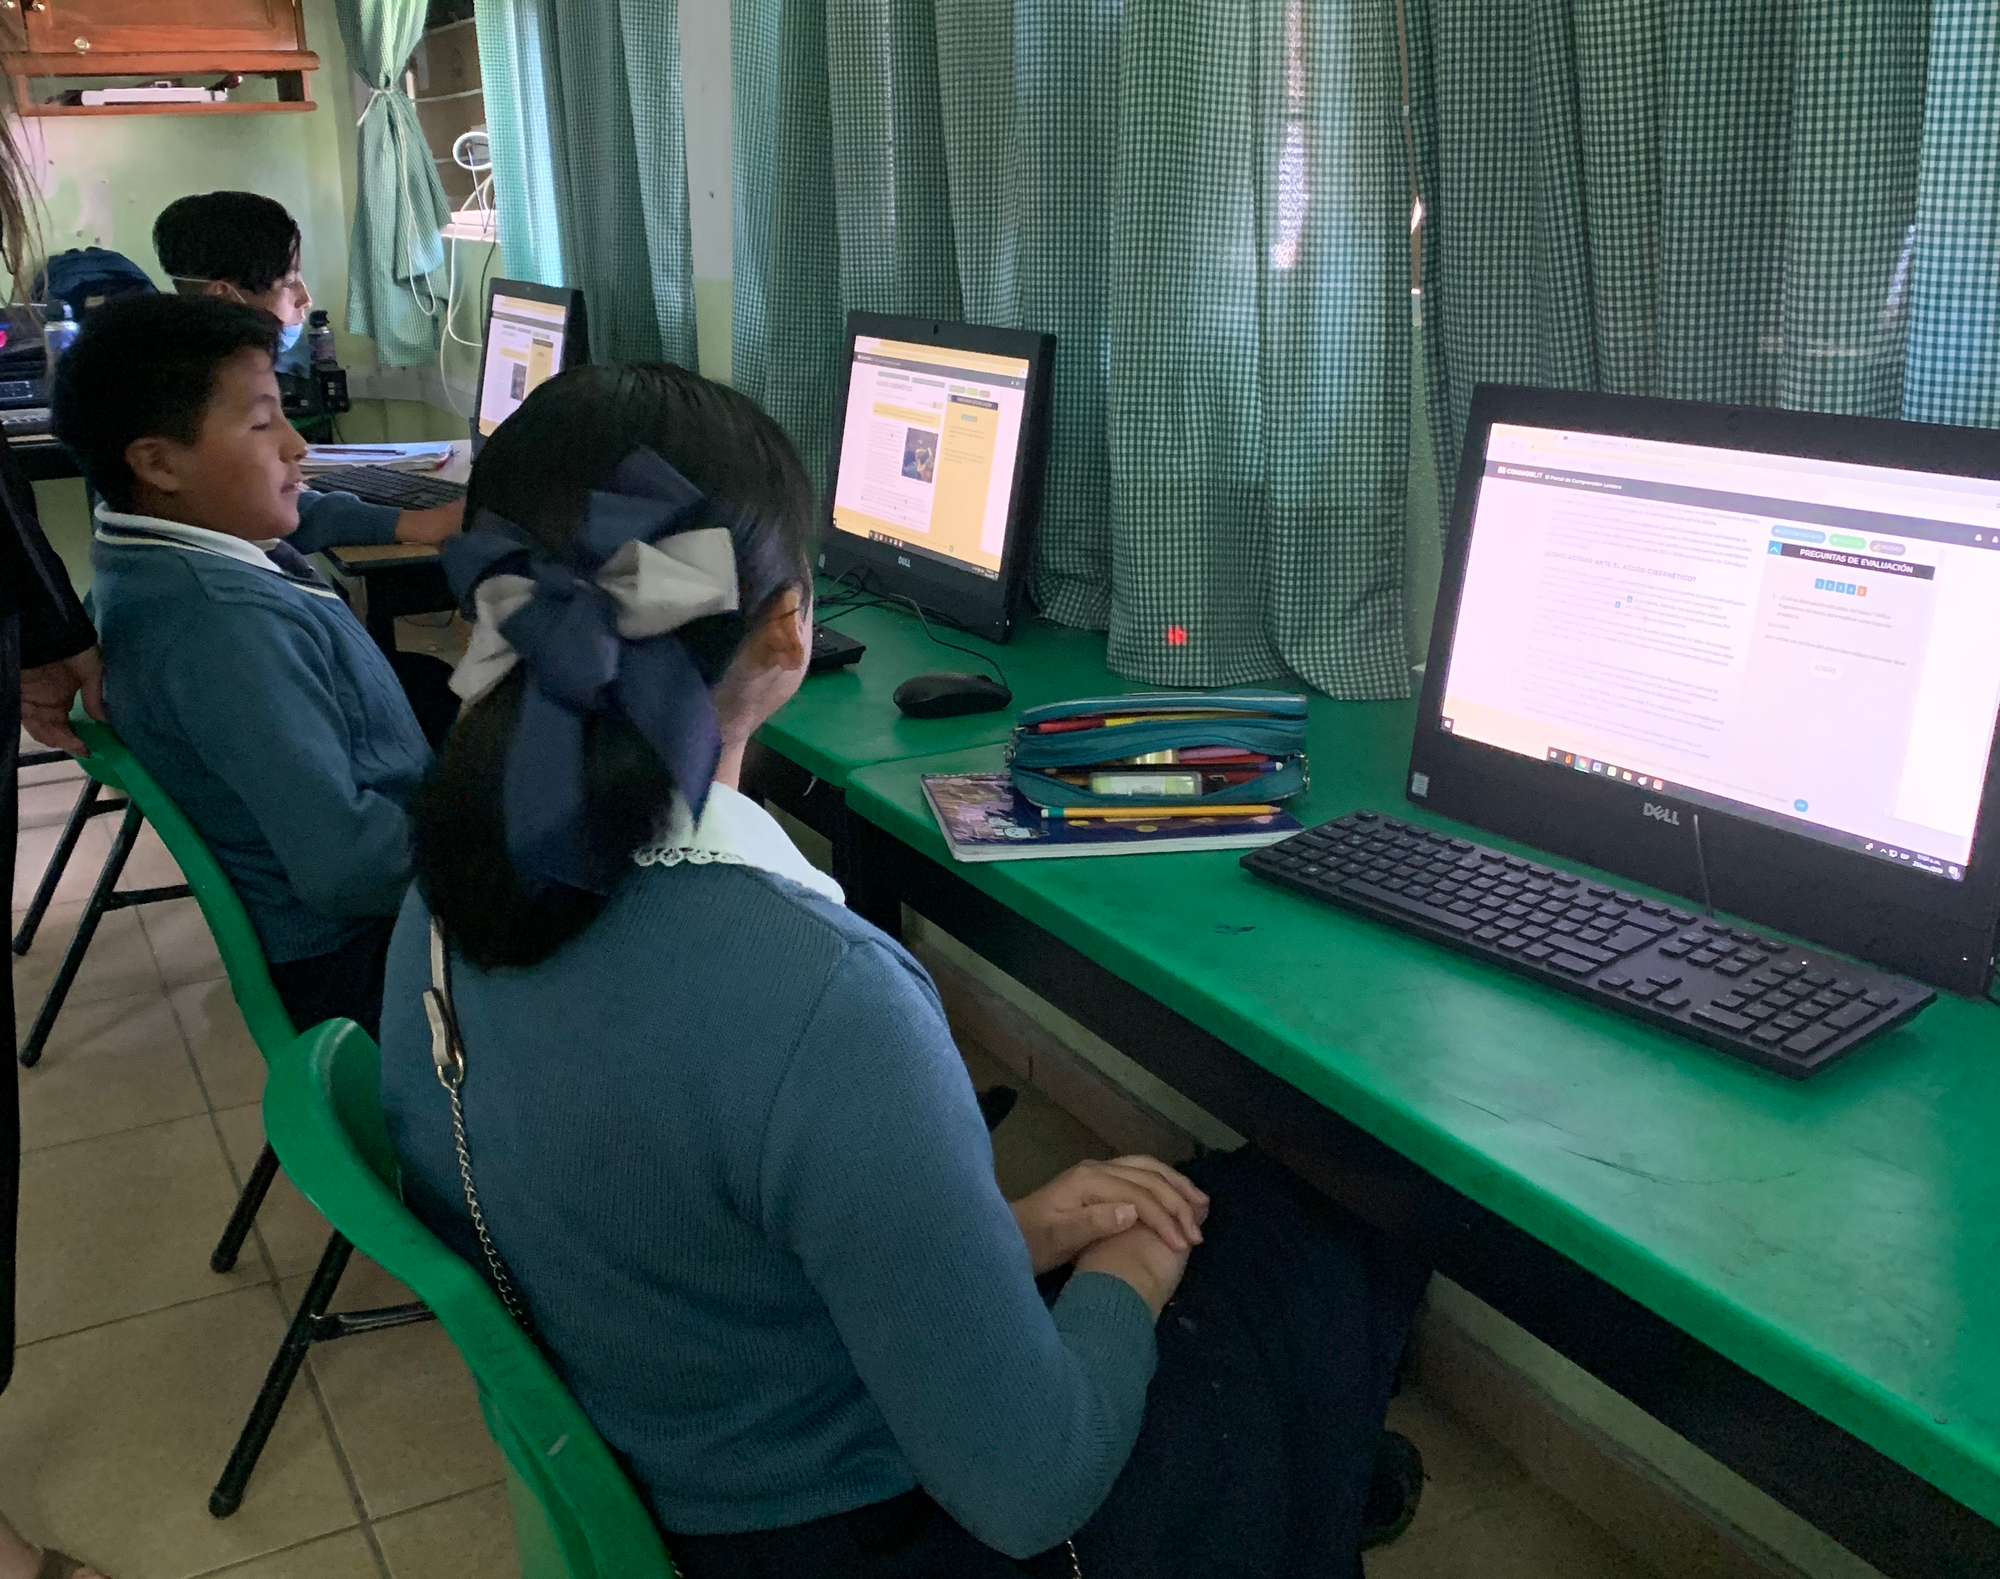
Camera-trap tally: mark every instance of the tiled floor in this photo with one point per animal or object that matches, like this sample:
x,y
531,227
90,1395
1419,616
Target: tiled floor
x,y
137,1363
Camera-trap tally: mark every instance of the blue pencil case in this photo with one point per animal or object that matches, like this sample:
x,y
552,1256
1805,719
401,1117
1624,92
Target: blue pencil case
x,y
1162,748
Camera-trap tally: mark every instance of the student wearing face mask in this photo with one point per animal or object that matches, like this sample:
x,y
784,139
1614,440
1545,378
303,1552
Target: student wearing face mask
x,y
243,247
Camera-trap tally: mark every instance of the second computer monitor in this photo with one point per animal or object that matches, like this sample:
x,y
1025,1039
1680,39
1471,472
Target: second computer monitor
x,y
939,441
533,332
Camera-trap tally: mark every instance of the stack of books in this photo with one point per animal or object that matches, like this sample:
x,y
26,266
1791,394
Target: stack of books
x,y
985,818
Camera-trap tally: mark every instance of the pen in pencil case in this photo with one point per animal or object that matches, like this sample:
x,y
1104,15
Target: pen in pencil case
x,y
1158,786
1071,726
1154,813
1199,757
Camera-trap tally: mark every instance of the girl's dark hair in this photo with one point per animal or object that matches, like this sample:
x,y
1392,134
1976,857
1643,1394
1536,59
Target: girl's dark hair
x,y
536,471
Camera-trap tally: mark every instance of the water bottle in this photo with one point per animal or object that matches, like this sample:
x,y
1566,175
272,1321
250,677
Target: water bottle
x,y
319,339
59,330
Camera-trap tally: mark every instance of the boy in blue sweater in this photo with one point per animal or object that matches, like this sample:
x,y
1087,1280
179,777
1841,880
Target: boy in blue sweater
x,y
235,674
244,247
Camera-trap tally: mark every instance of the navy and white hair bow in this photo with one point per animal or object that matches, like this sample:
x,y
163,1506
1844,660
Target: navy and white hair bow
x,y
597,635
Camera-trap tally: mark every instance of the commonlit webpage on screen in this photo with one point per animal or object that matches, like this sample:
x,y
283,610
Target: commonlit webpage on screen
x,y
927,456
524,341
1811,644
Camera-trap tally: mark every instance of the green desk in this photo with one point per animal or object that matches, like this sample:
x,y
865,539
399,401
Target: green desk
x,y
847,720
1727,1246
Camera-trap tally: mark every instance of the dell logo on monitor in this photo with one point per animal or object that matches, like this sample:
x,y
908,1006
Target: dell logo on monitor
x,y
1663,813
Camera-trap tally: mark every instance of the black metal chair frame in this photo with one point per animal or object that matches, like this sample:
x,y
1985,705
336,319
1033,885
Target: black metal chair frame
x,y
311,1323
104,898
86,807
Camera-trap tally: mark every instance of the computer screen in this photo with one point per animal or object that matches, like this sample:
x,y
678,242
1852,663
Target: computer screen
x,y
927,454
1813,645
525,337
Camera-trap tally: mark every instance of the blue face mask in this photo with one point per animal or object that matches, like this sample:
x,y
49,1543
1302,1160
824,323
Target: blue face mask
x,y
289,337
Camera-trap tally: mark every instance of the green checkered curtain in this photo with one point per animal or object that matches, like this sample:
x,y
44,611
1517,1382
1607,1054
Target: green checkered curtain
x,y
1710,199
1206,203
591,133
1033,157
516,97
1953,373
395,287
840,195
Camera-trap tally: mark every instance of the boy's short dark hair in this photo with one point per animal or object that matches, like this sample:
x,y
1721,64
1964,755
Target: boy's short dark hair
x,y
145,366
248,240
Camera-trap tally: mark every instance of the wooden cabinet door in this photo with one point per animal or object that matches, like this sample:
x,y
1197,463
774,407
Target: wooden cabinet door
x,y
154,26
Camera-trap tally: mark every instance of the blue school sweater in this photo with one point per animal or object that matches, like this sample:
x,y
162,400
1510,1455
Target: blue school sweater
x,y
260,704
736,1168
339,520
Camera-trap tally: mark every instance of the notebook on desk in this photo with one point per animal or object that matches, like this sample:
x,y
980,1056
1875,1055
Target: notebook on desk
x,y
985,818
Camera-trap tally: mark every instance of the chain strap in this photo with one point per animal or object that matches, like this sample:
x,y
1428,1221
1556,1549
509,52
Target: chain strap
x,y
448,1055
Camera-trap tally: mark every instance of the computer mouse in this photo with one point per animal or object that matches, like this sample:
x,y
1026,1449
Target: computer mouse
x,y
950,695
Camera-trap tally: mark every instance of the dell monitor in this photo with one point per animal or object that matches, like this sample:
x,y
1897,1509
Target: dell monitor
x,y
533,332
1782,624
939,441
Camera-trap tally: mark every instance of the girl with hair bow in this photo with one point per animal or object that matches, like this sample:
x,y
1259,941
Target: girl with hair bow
x,y
725,1161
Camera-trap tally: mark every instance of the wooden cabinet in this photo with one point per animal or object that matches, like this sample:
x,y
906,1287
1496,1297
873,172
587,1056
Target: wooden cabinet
x,y
170,26
121,41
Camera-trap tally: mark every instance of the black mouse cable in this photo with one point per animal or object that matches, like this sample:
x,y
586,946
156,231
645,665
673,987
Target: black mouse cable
x,y
826,611
848,591
826,614
918,609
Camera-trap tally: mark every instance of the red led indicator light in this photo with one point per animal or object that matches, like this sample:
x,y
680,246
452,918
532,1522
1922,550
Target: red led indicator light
x,y
1176,635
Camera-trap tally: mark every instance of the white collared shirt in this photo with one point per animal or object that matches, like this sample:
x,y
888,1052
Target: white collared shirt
x,y
128,530
737,831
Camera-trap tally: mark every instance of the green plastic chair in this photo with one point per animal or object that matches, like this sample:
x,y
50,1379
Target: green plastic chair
x,y
576,1514
112,764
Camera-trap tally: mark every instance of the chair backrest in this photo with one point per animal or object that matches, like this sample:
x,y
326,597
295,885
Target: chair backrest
x,y
112,764
576,1514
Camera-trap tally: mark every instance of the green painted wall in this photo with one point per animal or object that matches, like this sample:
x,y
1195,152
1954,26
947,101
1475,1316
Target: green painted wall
x,y
714,302
102,181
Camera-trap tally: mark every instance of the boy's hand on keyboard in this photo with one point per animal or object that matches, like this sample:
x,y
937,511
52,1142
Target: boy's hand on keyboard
x,y
433,525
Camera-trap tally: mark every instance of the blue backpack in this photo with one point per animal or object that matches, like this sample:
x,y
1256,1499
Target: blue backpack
x,y
87,277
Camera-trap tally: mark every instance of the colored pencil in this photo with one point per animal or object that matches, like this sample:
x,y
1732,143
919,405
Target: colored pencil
x,y
1133,814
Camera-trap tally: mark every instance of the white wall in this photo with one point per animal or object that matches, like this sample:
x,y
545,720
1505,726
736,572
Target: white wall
x,y
705,87
706,99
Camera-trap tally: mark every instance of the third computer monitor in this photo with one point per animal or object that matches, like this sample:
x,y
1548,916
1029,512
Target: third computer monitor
x,y
533,332
1780,622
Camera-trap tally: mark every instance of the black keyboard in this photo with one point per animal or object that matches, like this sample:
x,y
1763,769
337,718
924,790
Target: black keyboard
x,y
831,650
386,485
1772,1002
